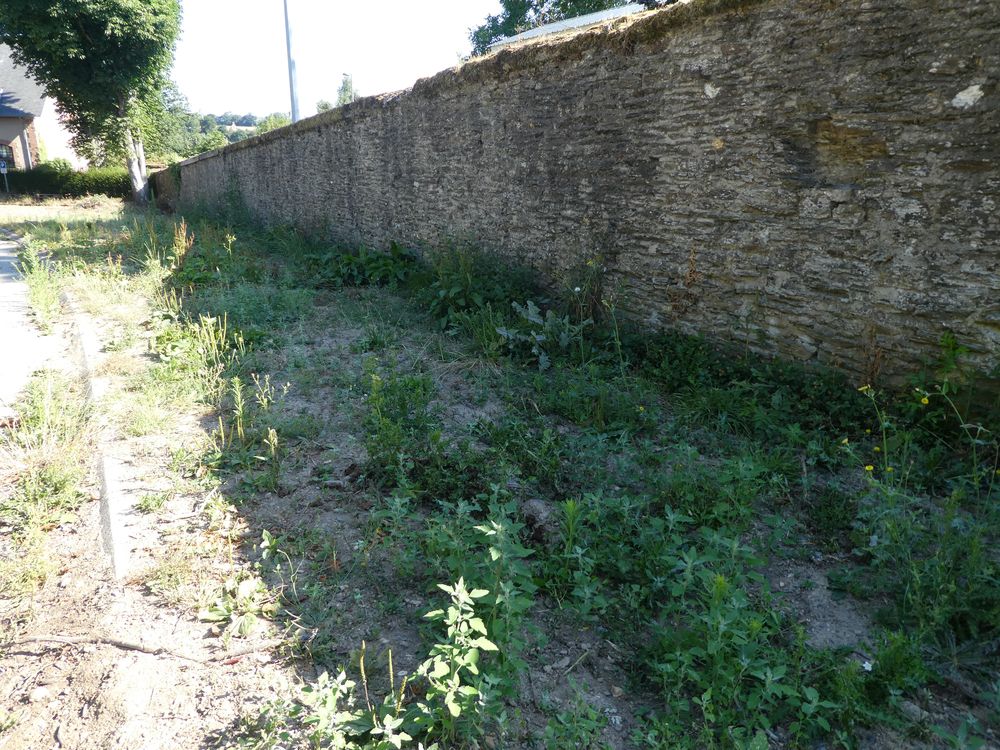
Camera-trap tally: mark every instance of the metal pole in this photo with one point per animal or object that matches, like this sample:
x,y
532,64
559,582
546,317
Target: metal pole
x,y
293,85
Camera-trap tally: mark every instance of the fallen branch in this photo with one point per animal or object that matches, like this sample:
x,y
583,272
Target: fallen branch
x,y
73,640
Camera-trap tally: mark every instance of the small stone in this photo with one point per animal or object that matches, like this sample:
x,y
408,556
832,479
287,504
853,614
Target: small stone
x,y
39,694
913,712
616,691
490,741
562,663
64,581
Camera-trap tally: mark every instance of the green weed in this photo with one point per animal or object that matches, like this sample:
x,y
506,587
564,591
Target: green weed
x,y
43,286
331,713
44,464
578,728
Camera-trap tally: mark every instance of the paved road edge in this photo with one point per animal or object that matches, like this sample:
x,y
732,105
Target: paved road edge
x,y
115,503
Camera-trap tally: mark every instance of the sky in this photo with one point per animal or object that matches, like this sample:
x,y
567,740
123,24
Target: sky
x,y
231,53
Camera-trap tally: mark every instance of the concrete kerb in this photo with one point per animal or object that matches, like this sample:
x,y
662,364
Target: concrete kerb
x,y
115,503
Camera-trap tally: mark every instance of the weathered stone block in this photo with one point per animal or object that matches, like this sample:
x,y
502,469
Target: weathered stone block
x,y
831,169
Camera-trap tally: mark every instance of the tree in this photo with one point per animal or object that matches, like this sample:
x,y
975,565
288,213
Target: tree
x,y
273,121
347,93
212,140
177,129
324,105
520,15
104,62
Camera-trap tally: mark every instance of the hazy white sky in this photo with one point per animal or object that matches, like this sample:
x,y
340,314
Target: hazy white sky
x,y
231,54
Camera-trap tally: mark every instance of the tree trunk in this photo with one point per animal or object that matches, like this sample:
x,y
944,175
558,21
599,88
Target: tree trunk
x,y
140,151
135,161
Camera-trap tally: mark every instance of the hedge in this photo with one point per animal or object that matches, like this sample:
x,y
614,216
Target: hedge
x,y
49,179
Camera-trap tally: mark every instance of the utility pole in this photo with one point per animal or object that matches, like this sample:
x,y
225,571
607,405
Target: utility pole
x,y
293,85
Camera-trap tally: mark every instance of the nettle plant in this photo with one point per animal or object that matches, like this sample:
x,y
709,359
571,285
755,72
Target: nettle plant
x,y
333,713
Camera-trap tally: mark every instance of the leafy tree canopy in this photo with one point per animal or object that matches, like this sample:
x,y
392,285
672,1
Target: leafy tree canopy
x,y
273,121
103,61
347,93
520,15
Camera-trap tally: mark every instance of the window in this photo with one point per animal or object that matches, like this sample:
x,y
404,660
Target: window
x,y
7,155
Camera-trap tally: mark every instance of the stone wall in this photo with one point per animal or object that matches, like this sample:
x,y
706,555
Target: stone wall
x,y
812,178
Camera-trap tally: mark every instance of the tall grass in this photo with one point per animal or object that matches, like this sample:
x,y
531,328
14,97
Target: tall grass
x,y
43,465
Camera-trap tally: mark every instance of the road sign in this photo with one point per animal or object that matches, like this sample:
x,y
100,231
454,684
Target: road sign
x,y
3,166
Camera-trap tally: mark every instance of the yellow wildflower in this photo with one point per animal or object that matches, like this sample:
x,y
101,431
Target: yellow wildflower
x,y
869,467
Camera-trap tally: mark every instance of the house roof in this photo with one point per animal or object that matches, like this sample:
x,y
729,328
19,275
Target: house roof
x,y
571,23
20,95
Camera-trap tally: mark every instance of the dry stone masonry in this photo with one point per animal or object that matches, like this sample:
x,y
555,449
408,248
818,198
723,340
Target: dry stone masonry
x,y
810,178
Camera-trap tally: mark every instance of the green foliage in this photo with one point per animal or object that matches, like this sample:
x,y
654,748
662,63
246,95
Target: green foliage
x,y
576,729
592,397
452,669
329,713
931,556
720,652
104,62
458,544
399,420
638,483
178,133
336,268
533,447
831,513
46,449
55,179
465,281
239,605
273,121
484,327
347,93
43,286
538,338
406,444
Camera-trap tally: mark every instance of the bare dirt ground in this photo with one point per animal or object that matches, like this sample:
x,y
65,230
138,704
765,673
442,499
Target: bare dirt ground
x,y
94,662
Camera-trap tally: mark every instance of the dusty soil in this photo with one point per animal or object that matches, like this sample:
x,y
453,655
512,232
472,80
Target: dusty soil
x,y
136,672
171,682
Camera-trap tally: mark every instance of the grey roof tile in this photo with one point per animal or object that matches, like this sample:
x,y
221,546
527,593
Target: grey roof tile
x,y
20,95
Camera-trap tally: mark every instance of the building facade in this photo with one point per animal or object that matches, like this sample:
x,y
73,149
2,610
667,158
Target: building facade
x,y
31,130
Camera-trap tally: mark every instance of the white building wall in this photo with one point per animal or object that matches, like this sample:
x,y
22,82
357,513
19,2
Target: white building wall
x,y
54,140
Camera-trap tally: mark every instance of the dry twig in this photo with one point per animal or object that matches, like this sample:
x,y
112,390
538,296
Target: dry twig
x,y
73,640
